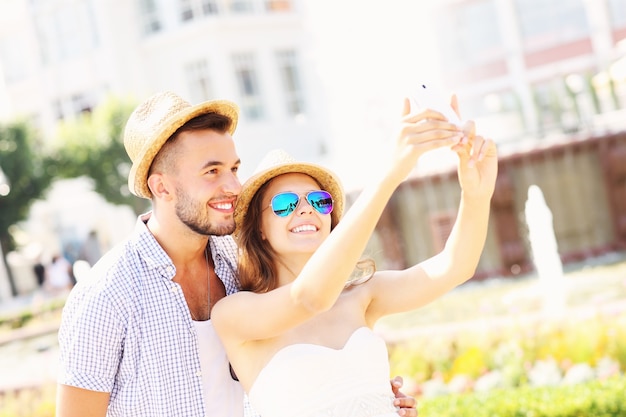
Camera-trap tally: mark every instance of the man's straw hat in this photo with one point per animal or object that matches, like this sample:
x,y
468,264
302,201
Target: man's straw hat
x,y
154,121
279,162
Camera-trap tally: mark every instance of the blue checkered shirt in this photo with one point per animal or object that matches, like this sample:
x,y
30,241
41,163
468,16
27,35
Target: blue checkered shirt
x,y
126,329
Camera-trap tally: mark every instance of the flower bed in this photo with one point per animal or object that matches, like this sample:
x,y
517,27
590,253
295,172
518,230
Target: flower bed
x,y
546,353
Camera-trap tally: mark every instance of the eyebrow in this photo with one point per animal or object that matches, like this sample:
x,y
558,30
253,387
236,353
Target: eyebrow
x,y
219,163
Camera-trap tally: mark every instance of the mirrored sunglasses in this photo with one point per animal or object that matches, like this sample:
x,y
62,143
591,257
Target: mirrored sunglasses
x,y
284,204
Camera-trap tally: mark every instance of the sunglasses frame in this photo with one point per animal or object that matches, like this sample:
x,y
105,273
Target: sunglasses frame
x,y
297,203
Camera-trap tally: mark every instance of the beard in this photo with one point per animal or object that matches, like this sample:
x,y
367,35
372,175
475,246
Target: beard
x,y
191,212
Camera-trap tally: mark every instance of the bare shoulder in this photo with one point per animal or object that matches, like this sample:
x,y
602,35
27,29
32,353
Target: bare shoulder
x,y
230,301
230,306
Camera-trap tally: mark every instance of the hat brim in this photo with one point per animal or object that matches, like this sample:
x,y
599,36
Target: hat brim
x,y
327,180
138,176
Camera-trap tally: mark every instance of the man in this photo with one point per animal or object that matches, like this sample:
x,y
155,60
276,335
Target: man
x,y
135,336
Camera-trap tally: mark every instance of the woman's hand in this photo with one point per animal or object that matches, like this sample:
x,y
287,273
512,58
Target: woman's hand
x,y
478,166
419,133
478,161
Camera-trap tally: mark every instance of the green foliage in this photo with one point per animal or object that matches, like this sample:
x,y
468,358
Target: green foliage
x,y
25,316
22,164
92,146
596,398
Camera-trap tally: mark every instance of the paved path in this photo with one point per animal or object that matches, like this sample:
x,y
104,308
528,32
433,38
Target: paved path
x,y
28,355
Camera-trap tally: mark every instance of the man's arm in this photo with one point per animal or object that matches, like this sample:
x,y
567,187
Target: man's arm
x,y
79,402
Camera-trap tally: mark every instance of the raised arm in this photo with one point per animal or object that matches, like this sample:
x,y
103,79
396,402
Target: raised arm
x,y
399,291
418,135
323,277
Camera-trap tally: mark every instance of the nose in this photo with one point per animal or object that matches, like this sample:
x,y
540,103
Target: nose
x,y
304,207
232,185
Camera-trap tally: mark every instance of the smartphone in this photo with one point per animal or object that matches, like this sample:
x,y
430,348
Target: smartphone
x,y
426,97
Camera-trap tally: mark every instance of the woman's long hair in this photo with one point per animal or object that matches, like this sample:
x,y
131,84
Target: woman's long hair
x,y
256,267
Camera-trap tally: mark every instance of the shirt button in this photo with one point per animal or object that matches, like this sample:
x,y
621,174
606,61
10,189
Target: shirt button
x,y
174,289
169,269
198,373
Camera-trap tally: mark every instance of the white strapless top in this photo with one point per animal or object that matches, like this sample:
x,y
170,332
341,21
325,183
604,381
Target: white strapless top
x,y
307,380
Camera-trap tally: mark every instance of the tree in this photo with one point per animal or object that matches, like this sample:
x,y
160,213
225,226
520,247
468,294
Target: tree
x,y
24,169
92,146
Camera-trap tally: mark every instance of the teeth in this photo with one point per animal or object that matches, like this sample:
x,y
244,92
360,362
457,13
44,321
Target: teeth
x,y
304,228
223,206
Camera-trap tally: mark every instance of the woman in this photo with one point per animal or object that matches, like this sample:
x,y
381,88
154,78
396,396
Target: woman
x,y
321,358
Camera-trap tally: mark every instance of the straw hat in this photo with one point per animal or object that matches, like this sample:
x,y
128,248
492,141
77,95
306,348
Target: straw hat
x,y
278,162
151,125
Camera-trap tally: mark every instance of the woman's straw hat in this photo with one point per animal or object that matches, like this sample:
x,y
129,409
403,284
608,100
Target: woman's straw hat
x,y
154,121
279,162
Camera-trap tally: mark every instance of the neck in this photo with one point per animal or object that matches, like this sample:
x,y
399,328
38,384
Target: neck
x,y
289,267
181,245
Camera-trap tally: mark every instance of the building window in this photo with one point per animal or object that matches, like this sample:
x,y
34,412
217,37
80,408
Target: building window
x,y
64,30
549,23
617,11
247,82
198,81
278,5
241,6
472,42
209,7
290,81
556,110
12,59
190,9
186,10
149,12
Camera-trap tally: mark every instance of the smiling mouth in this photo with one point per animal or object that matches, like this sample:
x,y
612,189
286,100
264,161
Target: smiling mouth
x,y
222,206
304,228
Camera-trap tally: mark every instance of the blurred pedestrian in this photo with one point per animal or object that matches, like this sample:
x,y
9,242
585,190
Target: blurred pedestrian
x,y
59,275
39,270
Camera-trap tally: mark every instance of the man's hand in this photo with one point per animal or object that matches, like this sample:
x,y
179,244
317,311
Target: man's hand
x,y
408,405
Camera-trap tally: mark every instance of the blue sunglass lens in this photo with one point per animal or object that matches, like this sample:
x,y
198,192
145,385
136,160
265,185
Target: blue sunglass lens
x,y
321,201
284,204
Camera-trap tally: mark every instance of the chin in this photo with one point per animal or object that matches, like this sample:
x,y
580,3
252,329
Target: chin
x,y
306,248
222,229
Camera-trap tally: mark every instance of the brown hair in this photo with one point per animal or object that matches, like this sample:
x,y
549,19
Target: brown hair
x,y
256,267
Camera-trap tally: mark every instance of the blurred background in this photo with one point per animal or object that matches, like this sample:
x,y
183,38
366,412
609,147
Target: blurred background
x,y
546,79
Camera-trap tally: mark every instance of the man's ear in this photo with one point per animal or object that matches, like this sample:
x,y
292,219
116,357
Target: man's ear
x,y
158,187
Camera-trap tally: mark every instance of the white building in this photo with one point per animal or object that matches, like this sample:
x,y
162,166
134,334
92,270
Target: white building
x,y
534,68
320,78
61,57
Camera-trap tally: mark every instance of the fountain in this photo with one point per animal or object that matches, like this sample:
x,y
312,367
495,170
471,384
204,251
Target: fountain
x,y
545,253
